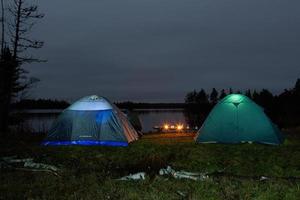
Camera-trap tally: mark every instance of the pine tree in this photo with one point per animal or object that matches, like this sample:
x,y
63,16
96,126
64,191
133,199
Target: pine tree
x,y
9,86
202,97
223,94
214,96
297,88
191,97
13,80
248,93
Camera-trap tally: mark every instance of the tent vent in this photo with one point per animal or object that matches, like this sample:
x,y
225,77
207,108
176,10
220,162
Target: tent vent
x,y
94,97
236,104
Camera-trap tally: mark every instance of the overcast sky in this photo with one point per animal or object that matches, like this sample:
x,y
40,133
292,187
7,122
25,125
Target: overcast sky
x,y
157,50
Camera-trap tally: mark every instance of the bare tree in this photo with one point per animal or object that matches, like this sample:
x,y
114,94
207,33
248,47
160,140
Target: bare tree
x,y
24,16
20,19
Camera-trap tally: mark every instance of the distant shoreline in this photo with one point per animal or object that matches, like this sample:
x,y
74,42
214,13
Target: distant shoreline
x,y
51,111
49,104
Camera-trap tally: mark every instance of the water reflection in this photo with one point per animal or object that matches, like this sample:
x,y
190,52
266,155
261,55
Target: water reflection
x,y
41,120
151,118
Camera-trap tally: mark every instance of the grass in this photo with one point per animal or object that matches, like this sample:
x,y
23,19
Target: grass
x,y
90,172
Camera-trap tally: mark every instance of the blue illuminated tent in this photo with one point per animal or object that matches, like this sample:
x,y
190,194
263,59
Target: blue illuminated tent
x,y
235,119
91,120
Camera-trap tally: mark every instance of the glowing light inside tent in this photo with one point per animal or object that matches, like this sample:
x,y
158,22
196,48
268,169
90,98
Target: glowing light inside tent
x,y
85,143
103,116
236,98
90,103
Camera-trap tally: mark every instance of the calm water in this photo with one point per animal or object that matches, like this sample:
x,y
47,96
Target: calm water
x,y
41,120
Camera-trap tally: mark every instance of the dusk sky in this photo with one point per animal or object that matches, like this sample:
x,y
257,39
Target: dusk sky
x,y
158,50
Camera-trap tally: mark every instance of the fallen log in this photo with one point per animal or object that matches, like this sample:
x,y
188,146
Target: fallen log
x,y
27,165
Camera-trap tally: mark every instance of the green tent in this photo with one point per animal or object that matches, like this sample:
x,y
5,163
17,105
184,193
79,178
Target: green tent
x,y
235,119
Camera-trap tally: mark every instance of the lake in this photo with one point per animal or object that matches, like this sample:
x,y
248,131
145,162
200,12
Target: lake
x,y
41,120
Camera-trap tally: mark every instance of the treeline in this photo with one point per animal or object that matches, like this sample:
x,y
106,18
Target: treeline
x,y
133,105
283,109
61,104
40,104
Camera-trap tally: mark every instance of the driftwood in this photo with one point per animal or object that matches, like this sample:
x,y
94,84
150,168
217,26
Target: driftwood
x,y
203,176
137,176
168,171
183,174
37,170
27,164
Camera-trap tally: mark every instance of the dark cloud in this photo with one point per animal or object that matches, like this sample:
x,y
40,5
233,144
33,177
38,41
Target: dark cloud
x,y
157,50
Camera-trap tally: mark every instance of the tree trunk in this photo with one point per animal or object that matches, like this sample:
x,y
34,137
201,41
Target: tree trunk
x,y
7,68
4,100
2,24
17,32
4,117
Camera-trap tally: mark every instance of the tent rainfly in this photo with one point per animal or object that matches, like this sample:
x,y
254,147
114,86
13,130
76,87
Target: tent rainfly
x,y
91,120
237,119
